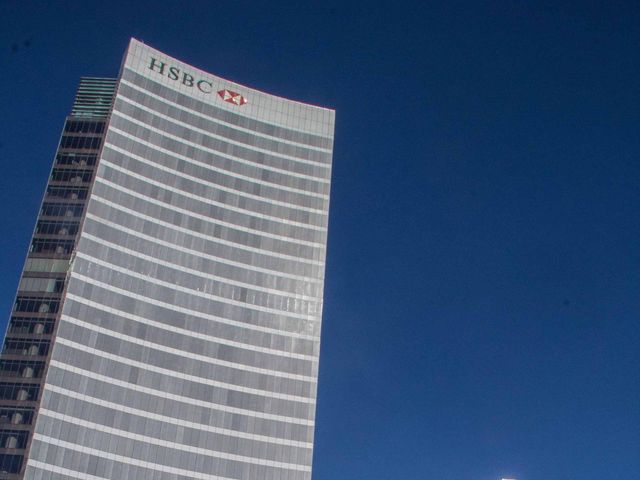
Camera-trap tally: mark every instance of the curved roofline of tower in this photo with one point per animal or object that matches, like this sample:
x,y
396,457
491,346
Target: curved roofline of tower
x,y
133,39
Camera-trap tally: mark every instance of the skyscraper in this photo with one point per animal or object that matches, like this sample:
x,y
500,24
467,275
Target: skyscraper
x,y
167,322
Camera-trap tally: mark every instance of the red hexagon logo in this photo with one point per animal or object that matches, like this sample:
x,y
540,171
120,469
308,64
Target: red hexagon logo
x,y
232,97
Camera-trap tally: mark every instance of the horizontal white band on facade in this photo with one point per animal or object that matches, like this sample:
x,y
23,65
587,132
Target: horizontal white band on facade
x,y
204,218
171,226
194,313
189,333
147,367
136,437
309,317
190,355
111,456
178,156
198,273
193,128
233,158
177,421
244,211
38,465
228,124
206,183
178,398
191,271
198,253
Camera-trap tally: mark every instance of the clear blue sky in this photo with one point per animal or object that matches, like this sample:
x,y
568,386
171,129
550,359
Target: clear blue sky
x,y
482,293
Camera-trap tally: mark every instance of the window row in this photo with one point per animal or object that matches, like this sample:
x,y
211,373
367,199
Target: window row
x,y
16,416
22,346
61,209
46,265
21,368
57,228
69,175
11,463
77,159
91,143
48,246
35,304
35,326
13,438
79,126
39,284
19,391
70,193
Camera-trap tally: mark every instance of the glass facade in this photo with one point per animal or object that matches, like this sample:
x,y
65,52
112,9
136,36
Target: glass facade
x,y
188,335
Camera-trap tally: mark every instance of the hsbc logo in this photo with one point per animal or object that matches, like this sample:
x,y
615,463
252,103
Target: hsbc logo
x,y
232,97
174,73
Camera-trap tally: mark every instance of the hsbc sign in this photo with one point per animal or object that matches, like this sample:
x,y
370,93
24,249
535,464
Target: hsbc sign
x,y
232,97
204,86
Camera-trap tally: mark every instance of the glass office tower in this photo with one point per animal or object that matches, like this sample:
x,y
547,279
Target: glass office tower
x,y
185,339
